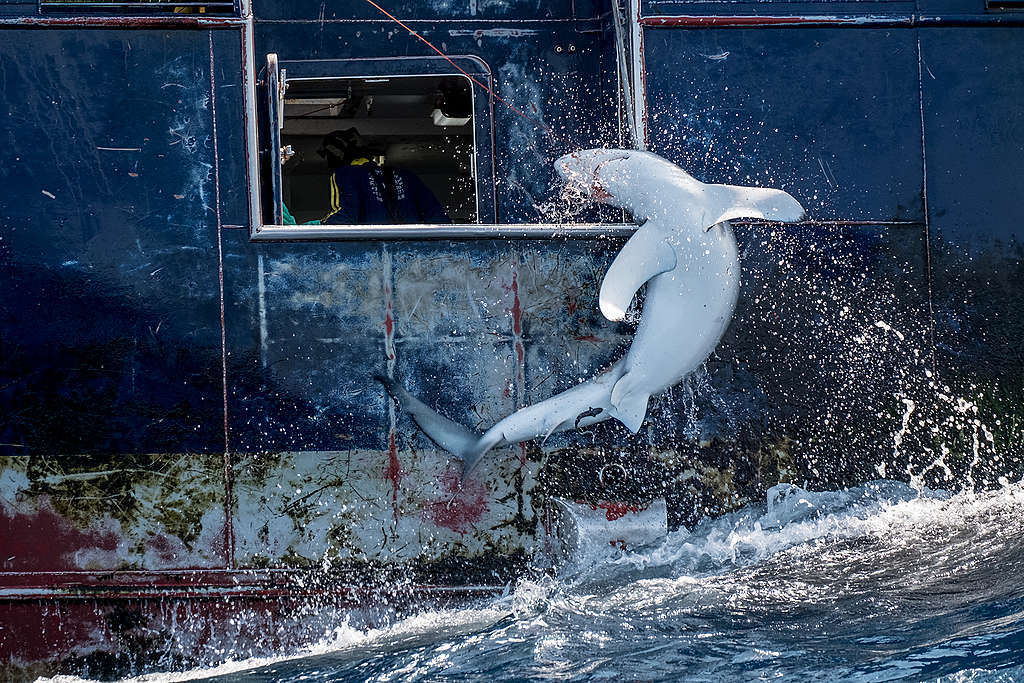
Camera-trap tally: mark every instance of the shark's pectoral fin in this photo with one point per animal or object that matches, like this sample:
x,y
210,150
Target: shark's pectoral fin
x,y
632,410
630,404
644,255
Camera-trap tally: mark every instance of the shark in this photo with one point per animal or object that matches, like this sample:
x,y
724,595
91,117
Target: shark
x,y
684,251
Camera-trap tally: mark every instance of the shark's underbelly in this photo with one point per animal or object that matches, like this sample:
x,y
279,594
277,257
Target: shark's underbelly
x,y
685,315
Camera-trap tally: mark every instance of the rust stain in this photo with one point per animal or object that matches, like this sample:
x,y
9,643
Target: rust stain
x,y
46,540
164,547
571,303
389,327
517,309
393,472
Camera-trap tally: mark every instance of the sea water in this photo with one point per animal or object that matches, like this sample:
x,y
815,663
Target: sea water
x,y
882,582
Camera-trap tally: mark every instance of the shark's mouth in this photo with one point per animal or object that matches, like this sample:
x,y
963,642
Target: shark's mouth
x,y
597,189
592,186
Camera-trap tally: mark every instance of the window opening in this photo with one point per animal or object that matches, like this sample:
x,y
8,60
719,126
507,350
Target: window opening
x,y
418,113
375,150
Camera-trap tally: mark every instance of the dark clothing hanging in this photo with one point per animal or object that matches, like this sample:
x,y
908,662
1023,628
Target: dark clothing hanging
x,y
365,193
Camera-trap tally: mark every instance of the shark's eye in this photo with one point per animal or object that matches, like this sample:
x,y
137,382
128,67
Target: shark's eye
x,y
610,160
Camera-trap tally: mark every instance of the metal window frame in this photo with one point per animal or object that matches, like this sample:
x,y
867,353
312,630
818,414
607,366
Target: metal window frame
x,y
456,232
259,231
378,67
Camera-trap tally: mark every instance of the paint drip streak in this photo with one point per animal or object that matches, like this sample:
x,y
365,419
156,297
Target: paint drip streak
x,y
393,473
520,350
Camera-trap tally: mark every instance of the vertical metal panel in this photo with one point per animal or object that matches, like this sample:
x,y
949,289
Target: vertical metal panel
x,y
829,337
234,190
830,115
109,304
972,81
108,257
464,322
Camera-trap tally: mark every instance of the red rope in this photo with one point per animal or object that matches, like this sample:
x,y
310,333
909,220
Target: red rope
x,y
468,75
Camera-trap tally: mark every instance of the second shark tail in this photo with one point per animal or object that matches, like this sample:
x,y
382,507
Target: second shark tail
x,y
582,405
448,434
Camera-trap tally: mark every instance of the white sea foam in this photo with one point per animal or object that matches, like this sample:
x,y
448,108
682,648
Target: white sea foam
x,y
793,517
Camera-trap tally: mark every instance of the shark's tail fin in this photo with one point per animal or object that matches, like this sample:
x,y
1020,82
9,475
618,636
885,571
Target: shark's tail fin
x,y
448,434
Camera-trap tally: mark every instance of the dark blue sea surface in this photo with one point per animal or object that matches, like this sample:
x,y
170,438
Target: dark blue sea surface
x,y
877,583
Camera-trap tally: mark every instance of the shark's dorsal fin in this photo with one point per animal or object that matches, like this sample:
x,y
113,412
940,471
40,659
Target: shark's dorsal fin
x,y
644,255
755,202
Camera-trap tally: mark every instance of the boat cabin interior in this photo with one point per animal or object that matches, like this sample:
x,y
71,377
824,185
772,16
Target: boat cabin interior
x,y
422,124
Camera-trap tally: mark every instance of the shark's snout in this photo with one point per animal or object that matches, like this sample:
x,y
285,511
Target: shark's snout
x,y
569,166
582,170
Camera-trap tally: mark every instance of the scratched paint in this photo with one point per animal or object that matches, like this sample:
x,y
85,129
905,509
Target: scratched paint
x,y
311,509
501,33
470,307
519,385
94,513
525,148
